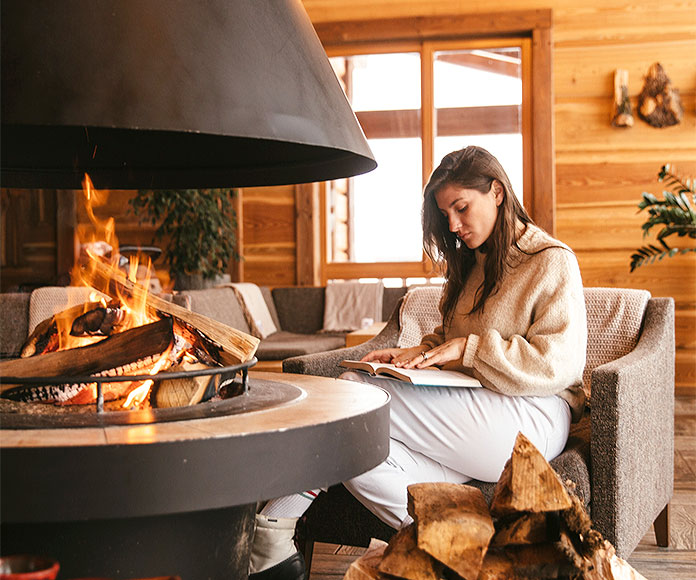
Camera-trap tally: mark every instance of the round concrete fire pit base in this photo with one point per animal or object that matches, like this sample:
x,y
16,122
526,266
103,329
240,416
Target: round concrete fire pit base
x,y
205,544
120,493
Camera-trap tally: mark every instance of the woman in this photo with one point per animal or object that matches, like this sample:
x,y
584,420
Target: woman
x,y
513,314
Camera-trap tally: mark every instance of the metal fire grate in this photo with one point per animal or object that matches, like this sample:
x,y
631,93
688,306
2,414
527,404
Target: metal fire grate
x,y
235,379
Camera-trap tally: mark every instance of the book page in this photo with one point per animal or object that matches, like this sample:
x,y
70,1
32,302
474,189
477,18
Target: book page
x,y
430,377
361,365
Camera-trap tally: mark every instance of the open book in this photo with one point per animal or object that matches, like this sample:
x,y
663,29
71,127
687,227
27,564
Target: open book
x,y
431,376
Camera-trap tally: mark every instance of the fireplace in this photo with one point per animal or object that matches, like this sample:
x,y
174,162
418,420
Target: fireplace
x,y
174,94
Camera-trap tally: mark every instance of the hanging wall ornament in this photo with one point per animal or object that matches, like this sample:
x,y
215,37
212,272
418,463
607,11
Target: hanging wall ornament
x,y
623,117
659,104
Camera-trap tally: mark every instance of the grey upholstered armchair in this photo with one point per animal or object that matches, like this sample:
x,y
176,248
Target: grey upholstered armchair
x,y
620,456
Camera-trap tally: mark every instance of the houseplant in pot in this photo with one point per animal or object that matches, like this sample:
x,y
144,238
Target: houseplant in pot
x,y
675,213
198,228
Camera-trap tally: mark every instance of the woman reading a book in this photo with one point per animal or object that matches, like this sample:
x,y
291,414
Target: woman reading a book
x,y
513,316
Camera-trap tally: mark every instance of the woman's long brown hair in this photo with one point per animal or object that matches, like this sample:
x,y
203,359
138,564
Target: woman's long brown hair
x,y
470,168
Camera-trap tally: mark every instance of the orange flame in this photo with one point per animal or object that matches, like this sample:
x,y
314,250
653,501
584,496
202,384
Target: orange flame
x,y
98,244
137,396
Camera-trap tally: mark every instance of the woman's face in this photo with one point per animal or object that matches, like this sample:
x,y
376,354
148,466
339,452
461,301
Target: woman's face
x,y
470,214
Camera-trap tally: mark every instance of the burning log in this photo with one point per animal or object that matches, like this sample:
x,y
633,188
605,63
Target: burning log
x,y
100,321
229,346
187,391
45,337
120,351
542,531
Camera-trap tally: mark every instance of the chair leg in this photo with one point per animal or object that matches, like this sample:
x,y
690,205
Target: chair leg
x,y
661,526
308,552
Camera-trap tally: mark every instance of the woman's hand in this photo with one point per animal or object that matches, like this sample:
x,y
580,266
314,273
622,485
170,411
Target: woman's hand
x,y
396,356
451,350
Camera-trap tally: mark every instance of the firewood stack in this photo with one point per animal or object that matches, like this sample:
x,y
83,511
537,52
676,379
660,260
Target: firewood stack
x,y
535,528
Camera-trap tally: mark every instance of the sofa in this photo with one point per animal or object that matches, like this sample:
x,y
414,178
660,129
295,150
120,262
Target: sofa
x,y
619,457
298,314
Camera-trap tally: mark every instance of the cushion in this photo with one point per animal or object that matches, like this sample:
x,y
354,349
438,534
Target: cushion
x,y
14,322
349,304
281,345
614,322
419,315
220,304
255,309
268,299
300,308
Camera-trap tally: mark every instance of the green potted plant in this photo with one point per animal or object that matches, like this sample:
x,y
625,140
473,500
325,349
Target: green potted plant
x,y
198,228
674,212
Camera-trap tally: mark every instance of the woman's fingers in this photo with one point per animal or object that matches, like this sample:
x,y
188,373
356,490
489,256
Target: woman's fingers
x,y
449,351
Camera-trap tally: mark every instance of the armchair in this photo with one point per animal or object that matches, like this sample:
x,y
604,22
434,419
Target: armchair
x,y
620,455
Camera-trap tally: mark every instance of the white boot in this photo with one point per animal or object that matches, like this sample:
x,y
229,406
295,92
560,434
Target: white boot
x,y
273,542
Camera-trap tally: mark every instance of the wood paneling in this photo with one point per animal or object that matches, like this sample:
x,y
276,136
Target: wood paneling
x,y
30,238
588,71
269,235
583,125
615,182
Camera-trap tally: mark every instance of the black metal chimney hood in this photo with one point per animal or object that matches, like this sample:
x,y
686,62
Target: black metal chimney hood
x,y
170,94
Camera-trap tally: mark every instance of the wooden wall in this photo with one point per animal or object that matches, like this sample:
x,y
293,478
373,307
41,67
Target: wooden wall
x,y
600,170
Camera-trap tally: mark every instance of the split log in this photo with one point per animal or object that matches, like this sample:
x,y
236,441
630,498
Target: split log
x,y
45,337
623,116
453,524
659,104
185,391
528,483
367,566
540,561
99,321
527,528
404,559
233,346
113,352
606,565
497,566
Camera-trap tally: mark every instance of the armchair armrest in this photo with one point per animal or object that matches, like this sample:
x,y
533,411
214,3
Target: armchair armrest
x,y
632,443
326,363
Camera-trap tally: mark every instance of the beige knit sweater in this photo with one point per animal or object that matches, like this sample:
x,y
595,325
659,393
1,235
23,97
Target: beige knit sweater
x,y
531,337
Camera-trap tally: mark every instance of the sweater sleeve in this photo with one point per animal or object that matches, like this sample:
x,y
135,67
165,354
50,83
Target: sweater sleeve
x,y
550,357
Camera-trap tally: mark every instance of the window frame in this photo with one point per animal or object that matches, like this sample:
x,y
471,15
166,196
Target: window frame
x,y
428,35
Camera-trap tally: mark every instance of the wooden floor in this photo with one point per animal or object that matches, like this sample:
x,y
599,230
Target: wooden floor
x,y
678,562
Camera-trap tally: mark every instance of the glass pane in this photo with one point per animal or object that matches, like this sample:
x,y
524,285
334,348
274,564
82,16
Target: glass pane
x,y
387,205
376,217
380,82
478,101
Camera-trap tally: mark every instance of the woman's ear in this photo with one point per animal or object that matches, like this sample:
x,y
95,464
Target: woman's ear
x,y
498,192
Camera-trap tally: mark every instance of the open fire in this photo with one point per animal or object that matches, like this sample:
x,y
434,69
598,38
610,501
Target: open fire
x,y
122,330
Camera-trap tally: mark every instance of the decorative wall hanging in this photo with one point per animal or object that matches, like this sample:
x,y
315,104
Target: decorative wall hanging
x,y
659,104
623,116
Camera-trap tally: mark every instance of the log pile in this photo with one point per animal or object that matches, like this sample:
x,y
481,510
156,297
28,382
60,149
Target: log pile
x,y
536,528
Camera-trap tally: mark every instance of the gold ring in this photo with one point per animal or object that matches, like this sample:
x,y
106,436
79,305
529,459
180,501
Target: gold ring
x,y
424,355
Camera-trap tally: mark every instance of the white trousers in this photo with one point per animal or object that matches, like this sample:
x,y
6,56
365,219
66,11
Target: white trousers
x,y
452,435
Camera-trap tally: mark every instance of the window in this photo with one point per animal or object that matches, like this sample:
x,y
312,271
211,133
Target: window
x,y
421,89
